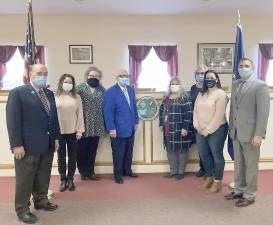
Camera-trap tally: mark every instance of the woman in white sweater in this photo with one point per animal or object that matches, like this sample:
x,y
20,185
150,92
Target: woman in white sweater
x,y
209,119
70,115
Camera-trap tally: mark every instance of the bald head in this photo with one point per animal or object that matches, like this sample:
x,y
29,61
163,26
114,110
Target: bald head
x,y
38,75
121,73
122,77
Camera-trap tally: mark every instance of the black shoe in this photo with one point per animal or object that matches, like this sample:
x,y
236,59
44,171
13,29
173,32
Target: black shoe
x,y
179,176
169,175
28,218
47,206
133,175
83,177
200,173
93,177
63,186
119,181
71,185
233,195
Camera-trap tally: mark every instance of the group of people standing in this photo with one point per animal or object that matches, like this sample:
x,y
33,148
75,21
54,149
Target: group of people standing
x,y
71,123
77,117
201,116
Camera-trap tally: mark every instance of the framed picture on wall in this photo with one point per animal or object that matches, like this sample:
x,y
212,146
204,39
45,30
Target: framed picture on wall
x,y
81,54
216,56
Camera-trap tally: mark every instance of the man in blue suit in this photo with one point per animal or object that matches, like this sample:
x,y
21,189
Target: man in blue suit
x,y
33,130
121,118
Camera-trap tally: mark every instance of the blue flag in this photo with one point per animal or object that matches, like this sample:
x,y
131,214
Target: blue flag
x,y
239,51
239,54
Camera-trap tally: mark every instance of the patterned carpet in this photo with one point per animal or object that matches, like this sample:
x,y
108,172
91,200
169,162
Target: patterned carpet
x,y
147,200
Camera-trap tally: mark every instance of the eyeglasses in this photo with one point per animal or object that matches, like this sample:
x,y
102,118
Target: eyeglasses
x,y
93,76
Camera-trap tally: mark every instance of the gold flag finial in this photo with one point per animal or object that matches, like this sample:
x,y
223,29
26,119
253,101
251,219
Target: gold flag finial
x,y
239,17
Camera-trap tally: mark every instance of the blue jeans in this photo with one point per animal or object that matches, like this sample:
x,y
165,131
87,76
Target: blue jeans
x,y
211,151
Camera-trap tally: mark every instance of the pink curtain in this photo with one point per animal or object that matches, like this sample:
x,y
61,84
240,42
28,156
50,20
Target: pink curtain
x,y
168,54
265,54
137,53
6,52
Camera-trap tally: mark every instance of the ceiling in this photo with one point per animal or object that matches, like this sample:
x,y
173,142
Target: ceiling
x,y
139,7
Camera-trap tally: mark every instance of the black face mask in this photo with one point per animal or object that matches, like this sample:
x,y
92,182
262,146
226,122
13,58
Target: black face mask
x,y
210,83
93,82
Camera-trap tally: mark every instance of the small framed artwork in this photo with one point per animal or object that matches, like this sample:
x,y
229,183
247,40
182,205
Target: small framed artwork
x,y
216,56
81,54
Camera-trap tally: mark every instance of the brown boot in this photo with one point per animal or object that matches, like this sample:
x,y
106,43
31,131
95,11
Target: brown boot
x,y
208,182
216,187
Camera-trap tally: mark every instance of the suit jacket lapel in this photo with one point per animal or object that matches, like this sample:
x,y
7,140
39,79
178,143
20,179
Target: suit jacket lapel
x,y
35,96
123,95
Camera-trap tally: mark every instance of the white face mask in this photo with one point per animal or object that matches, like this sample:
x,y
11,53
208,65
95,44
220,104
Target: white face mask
x,y
175,88
67,86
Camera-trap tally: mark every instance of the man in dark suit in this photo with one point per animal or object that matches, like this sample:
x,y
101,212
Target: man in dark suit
x,y
33,130
121,118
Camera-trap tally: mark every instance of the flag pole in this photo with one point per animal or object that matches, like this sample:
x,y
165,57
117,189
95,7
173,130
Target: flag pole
x,y
239,17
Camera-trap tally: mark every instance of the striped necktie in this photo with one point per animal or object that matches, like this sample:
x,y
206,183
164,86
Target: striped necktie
x,y
239,91
44,100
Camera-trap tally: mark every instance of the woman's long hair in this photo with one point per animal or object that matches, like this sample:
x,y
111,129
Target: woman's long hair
x,y
60,84
205,88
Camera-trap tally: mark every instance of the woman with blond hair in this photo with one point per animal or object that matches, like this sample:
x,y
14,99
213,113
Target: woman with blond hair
x,y
195,89
92,93
175,118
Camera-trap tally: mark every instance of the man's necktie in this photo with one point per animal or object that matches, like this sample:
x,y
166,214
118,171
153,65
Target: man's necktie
x,y
44,100
126,95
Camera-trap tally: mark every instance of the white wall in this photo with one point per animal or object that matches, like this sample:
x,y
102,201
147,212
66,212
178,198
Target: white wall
x,y
110,36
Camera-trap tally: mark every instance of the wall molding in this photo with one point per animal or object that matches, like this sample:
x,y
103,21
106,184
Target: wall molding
x,y
7,166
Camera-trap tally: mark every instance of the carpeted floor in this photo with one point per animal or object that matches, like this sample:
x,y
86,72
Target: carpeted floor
x,y
147,200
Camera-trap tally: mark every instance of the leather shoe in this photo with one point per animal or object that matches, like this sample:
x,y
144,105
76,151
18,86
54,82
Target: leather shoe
x,y
243,202
47,206
200,173
119,181
71,185
133,175
63,186
83,177
93,177
28,218
232,196
179,176
169,175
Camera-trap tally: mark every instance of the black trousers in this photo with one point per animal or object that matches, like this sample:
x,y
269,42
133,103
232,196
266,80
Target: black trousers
x,y
32,174
122,152
68,143
86,155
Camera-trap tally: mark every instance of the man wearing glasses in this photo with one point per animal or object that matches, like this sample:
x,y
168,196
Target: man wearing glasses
x,y
121,118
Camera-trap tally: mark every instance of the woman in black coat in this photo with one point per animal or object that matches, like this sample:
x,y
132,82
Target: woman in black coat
x,y
175,120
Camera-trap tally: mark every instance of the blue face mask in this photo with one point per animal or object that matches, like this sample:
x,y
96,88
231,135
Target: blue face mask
x,y
245,73
123,81
199,77
39,81
210,83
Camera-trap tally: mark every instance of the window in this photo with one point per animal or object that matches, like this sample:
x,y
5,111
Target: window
x,y
154,73
15,72
269,76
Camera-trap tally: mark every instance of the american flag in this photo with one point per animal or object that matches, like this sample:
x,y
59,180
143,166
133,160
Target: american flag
x,y
30,47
